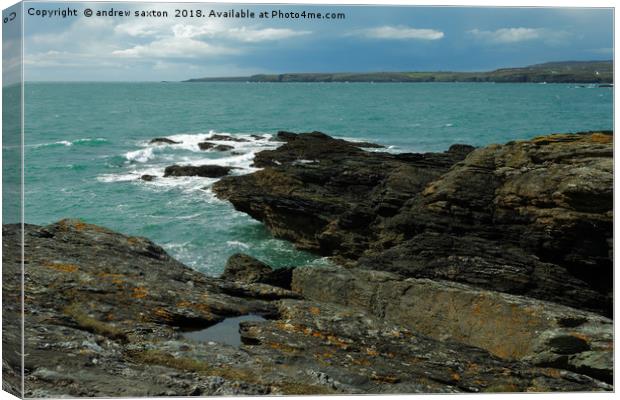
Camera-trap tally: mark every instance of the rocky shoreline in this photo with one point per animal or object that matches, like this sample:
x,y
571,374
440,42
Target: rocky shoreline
x,y
472,270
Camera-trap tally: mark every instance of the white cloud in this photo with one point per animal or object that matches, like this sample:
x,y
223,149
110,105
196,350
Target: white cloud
x,y
167,45
241,34
507,35
174,47
192,40
138,29
11,61
262,35
401,33
520,34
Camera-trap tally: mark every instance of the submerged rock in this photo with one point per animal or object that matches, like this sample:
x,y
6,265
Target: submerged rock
x,y
207,171
105,315
227,138
163,141
213,146
205,145
222,147
148,178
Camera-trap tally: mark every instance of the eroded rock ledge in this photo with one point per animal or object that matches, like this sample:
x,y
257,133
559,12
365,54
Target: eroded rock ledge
x,y
105,315
531,218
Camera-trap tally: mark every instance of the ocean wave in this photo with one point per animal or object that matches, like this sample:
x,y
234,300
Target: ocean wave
x,y
67,143
108,178
152,159
140,156
191,141
189,216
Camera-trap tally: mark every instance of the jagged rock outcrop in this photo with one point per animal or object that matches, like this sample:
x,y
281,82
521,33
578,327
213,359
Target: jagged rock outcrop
x,y
105,315
247,269
531,218
327,195
550,198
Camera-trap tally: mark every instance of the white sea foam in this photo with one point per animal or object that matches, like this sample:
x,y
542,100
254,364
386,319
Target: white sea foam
x,y
235,243
108,178
170,246
67,143
296,162
59,143
189,216
140,156
152,159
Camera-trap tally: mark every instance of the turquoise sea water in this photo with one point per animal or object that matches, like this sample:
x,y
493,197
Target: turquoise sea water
x,y
87,145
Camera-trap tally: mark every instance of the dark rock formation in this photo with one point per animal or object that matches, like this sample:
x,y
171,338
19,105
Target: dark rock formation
x,y
227,138
326,194
163,141
205,145
207,171
531,218
105,315
213,146
243,268
148,178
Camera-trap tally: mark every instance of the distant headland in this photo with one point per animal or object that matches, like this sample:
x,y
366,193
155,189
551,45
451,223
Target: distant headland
x,y
551,72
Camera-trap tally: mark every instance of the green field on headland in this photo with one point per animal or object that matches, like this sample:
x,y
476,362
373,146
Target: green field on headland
x,y
552,72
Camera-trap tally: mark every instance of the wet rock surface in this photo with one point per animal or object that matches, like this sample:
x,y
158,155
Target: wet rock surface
x,y
163,141
105,315
531,218
206,171
148,178
214,146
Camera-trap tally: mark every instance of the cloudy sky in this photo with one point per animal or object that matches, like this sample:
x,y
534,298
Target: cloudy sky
x,y
368,39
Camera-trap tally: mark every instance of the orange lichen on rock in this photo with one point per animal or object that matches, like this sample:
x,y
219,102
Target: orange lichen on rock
x,y
139,292
385,378
162,314
62,267
601,138
202,307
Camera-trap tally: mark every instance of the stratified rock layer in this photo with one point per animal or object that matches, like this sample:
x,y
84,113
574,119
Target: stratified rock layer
x,y
531,218
105,315
509,326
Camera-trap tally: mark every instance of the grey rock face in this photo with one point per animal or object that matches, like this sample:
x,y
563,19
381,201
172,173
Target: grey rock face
x,y
105,315
243,268
509,326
